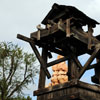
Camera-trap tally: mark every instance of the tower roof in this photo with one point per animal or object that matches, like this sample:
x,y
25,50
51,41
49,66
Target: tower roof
x,y
64,12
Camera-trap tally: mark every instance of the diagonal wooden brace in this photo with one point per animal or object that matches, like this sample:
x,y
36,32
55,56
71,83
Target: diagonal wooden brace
x,y
87,64
43,64
31,42
75,59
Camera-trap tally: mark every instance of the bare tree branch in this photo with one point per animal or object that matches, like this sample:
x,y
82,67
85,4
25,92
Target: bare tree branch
x,y
18,86
25,70
11,68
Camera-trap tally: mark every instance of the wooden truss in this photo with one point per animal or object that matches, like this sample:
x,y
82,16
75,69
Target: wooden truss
x,y
64,46
69,42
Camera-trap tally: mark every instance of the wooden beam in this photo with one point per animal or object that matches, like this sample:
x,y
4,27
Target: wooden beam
x,y
45,32
87,64
93,66
57,51
80,35
42,62
42,75
72,83
68,28
77,62
73,57
72,70
90,32
24,38
31,42
96,77
57,61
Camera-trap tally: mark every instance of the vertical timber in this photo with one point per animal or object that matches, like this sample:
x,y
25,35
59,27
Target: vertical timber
x,y
72,69
42,75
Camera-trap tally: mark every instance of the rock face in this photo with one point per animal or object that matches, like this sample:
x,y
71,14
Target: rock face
x,y
59,73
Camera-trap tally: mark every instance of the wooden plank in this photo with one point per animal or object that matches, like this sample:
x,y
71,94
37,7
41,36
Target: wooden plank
x,y
45,32
57,61
55,88
71,96
89,87
80,35
57,51
32,43
67,85
82,97
87,64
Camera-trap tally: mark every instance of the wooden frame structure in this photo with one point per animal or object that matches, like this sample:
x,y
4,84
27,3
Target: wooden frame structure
x,y
66,37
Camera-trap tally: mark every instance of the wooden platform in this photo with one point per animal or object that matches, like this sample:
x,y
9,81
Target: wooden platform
x,y
73,90
55,40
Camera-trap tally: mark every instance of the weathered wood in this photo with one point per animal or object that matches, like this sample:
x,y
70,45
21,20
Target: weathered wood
x,y
42,76
90,32
45,32
57,61
32,43
72,70
24,38
56,87
68,27
57,51
70,90
96,77
75,59
93,66
70,96
42,62
87,64
80,35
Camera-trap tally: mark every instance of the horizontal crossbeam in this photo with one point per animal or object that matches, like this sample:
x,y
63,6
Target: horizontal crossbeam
x,y
57,61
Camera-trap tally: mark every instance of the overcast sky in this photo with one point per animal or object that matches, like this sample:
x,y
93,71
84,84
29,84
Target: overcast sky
x,y
22,16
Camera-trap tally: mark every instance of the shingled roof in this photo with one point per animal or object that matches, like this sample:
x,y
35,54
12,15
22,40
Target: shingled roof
x,y
64,12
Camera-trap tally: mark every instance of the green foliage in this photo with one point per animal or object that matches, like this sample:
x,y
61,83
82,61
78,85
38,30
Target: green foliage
x,y
21,98
17,69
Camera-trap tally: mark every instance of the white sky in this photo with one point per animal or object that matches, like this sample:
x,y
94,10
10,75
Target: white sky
x,y
22,16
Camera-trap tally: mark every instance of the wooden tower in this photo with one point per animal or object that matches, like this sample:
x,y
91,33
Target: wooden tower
x,y
65,36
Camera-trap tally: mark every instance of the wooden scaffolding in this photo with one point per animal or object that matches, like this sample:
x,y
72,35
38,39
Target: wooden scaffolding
x,y
64,35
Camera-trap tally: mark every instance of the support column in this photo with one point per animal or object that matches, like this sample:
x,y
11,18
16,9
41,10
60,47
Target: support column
x,y
96,77
42,75
72,70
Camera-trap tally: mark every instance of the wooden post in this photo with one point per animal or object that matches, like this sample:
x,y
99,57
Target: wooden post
x,y
96,77
42,75
90,31
72,70
68,27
